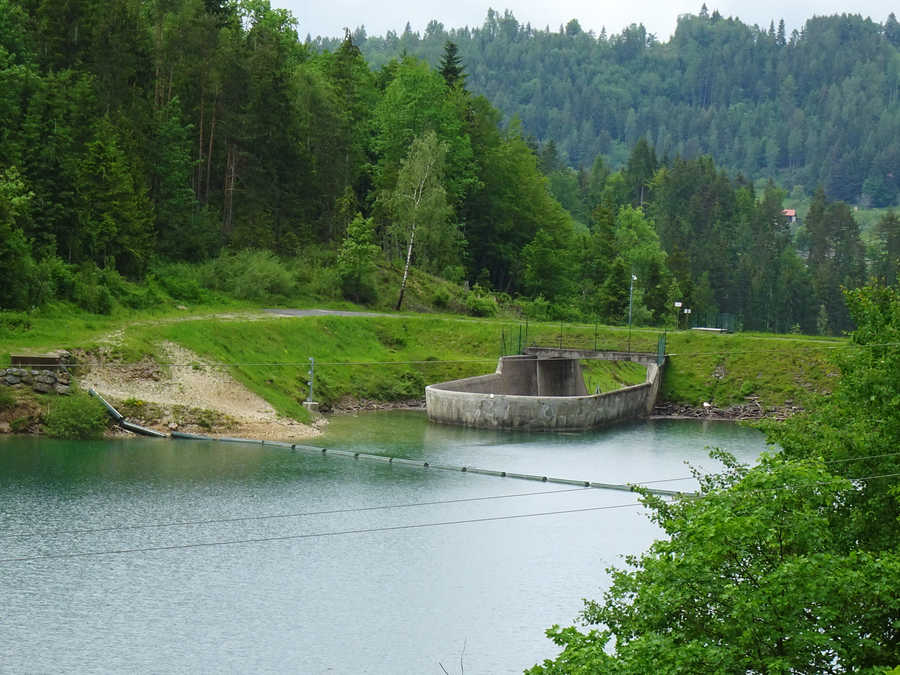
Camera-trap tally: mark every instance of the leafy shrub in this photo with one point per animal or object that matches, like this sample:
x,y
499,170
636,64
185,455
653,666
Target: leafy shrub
x,y
315,256
411,384
356,260
146,297
7,399
440,298
324,283
559,311
454,273
203,418
142,410
53,279
89,292
267,279
78,416
481,304
122,291
408,384
640,315
180,282
140,297
94,299
206,419
537,309
250,275
14,322
360,290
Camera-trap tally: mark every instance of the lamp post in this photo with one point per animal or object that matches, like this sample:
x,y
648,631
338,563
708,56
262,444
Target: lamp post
x,y
630,295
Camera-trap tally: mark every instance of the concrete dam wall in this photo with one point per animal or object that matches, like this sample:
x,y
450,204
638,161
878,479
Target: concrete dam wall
x,y
542,390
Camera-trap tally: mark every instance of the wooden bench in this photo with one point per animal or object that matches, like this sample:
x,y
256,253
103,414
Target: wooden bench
x,y
53,361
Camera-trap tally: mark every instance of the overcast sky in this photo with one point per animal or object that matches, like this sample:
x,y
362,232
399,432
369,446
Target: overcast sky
x,y
329,17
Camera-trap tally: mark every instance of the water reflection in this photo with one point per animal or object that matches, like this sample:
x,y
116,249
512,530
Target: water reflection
x,y
637,452
397,592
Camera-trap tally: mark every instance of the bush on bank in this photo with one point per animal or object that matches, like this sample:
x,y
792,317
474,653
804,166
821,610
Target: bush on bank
x,y
78,416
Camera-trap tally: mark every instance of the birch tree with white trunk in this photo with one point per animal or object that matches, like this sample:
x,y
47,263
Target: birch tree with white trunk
x,y
419,200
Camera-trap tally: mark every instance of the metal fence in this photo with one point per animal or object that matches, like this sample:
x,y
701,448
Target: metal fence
x,y
514,339
721,320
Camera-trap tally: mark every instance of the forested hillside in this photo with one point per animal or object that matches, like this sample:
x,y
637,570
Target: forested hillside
x,y
814,107
136,131
154,150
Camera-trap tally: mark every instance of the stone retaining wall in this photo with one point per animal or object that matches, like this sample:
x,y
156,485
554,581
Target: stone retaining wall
x,y
41,381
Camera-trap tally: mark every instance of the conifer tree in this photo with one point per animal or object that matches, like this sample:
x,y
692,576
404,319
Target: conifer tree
x,y
452,69
113,212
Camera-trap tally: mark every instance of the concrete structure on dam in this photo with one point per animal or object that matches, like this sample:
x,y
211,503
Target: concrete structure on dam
x,y
542,390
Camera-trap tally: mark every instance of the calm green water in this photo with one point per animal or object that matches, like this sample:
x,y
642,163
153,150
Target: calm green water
x,y
337,587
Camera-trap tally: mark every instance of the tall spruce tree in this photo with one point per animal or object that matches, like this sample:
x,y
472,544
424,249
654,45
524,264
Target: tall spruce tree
x,y
114,213
451,68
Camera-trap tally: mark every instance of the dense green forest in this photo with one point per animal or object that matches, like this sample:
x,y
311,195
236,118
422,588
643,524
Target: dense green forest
x,y
816,107
152,148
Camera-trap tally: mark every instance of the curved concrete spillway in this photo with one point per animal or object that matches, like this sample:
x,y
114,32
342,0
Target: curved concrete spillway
x,y
541,390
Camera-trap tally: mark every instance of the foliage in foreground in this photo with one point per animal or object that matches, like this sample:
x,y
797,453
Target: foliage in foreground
x,y
858,427
749,580
79,416
789,566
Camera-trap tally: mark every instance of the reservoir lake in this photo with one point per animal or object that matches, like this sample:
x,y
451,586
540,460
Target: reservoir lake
x,y
177,556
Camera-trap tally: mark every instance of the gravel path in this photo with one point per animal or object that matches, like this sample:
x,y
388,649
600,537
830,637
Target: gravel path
x,y
322,312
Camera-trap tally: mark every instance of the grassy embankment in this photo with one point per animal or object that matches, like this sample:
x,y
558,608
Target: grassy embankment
x,y
722,369
393,358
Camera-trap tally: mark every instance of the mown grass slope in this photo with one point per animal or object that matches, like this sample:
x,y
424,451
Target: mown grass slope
x,y
604,376
394,357
726,369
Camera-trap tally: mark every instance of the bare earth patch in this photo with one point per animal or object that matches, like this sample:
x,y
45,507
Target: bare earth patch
x,y
206,399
